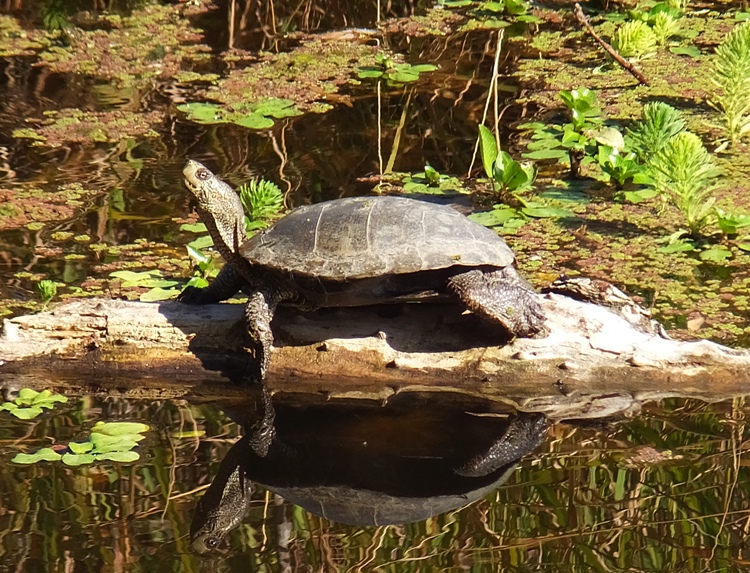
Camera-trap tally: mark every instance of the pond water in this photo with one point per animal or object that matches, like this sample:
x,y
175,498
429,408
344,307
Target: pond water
x,y
93,140
666,491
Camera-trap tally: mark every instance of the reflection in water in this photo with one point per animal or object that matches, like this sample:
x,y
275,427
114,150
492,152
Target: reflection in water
x,y
666,491
365,466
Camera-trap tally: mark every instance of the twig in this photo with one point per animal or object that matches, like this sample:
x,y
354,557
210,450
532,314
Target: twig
x,y
637,74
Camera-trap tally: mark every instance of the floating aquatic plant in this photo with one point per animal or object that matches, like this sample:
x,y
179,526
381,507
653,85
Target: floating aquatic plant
x,y
29,403
253,115
109,441
394,72
731,74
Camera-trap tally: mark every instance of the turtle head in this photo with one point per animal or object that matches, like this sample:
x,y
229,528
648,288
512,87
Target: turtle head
x,y
219,206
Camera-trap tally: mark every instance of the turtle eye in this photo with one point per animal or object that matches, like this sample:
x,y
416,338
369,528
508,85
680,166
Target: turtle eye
x,y
203,174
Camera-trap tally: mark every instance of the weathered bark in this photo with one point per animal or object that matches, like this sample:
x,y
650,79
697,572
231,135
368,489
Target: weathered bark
x,y
592,358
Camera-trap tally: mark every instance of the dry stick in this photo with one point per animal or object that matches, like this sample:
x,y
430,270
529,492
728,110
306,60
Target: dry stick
x,y
491,90
637,74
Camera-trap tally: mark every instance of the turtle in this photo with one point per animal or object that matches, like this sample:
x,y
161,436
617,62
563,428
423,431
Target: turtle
x,y
357,251
340,461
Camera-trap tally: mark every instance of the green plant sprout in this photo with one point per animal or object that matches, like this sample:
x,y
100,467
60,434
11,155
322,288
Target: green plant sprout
x,y
731,74
205,268
394,72
254,115
506,174
262,200
108,441
634,39
731,223
29,403
685,173
621,168
583,109
47,290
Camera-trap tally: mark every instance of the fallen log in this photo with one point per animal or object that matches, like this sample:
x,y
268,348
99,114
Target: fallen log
x,y
592,358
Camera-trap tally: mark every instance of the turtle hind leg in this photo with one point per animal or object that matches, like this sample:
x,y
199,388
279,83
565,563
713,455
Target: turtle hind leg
x,y
501,296
226,284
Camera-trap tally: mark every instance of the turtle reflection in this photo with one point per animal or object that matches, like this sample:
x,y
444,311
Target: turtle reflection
x,y
365,466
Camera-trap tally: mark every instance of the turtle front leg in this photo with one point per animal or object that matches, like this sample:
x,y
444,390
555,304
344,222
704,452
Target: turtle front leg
x,y
226,284
261,305
503,297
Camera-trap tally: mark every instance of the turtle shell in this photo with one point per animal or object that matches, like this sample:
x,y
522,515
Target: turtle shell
x,y
364,237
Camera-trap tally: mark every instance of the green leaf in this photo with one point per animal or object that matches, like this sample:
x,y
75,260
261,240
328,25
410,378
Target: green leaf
x,y
197,255
80,447
369,73
497,7
496,217
120,428
743,246
609,136
102,443
680,246
403,77
691,51
77,460
131,278
277,107
157,294
26,413
120,457
546,212
202,242
47,397
431,174
715,255
26,396
43,455
488,148
197,282
207,113
421,68
194,227
255,121
546,154
636,196
516,7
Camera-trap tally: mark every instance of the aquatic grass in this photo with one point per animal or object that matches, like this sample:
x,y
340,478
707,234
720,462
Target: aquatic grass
x,y
634,39
664,26
685,173
731,74
262,200
660,123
